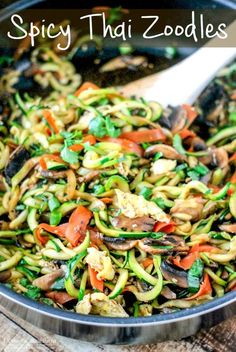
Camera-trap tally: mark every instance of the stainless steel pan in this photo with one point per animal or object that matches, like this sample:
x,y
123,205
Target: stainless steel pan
x,y
119,330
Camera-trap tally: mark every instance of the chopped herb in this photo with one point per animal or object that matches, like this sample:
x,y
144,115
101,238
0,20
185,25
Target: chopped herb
x,y
97,127
112,131
232,116
20,207
194,276
160,202
146,192
55,217
157,156
47,301
201,169
53,203
33,292
98,189
177,144
69,156
145,145
100,127
157,235
59,284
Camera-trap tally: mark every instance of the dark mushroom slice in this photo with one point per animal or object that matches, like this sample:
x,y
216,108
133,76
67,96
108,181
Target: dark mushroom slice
x,y
53,174
178,277
167,240
89,176
5,275
228,228
167,293
159,246
178,119
143,223
45,282
220,158
211,104
231,285
120,244
2,185
16,162
167,151
196,143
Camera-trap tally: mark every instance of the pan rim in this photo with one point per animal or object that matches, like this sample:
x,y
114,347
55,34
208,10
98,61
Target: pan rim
x,y
94,320
157,319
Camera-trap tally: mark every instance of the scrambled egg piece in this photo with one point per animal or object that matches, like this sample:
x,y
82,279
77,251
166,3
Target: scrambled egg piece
x,y
134,206
84,306
162,166
101,263
99,303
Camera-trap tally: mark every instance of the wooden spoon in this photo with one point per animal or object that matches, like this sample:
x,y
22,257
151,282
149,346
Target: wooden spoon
x,y
183,82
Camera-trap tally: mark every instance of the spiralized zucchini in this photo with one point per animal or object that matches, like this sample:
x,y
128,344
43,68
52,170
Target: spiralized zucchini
x,y
110,205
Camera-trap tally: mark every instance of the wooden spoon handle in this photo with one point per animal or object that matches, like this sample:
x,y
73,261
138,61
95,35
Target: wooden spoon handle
x,y
183,82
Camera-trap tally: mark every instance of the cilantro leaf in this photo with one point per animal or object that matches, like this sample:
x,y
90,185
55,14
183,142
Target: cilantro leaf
x,y
69,156
100,127
97,127
112,131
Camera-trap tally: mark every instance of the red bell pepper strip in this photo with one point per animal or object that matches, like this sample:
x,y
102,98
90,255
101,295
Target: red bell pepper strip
x,y
146,262
85,86
53,157
154,135
164,227
205,288
55,230
95,282
188,261
50,120
77,225
186,133
87,139
125,144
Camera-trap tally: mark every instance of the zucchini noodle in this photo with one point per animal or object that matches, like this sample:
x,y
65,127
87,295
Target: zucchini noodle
x,y
111,205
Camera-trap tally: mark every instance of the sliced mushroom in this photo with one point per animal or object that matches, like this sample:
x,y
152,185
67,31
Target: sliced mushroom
x,y
16,162
177,245
95,236
220,158
119,244
89,176
228,228
5,275
167,293
53,174
192,207
210,102
59,297
143,223
167,151
198,144
46,281
178,119
178,277
123,61
2,185
231,285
